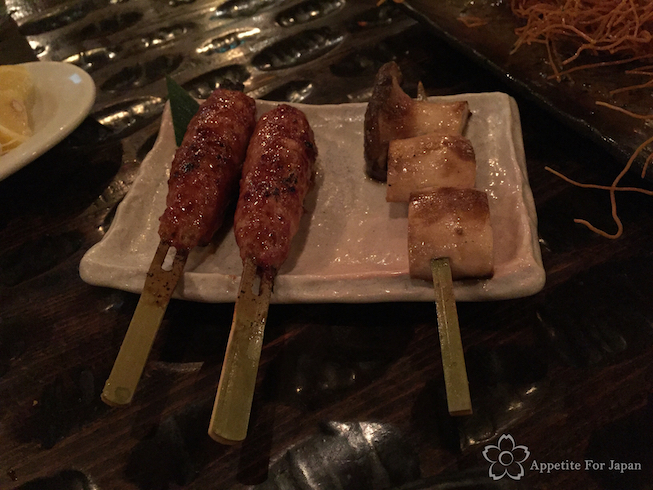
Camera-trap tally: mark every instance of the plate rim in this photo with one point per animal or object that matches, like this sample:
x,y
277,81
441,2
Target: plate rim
x,y
37,144
96,269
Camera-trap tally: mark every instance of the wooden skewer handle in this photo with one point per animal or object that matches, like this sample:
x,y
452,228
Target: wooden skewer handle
x,y
233,401
157,291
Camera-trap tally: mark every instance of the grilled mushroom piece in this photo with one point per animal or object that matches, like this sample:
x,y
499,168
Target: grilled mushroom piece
x,y
453,223
430,160
391,114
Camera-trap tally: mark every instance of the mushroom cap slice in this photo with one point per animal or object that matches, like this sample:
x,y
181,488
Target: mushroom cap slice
x,y
391,114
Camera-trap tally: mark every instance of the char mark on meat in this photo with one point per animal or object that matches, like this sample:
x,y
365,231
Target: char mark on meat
x,y
206,168
277,175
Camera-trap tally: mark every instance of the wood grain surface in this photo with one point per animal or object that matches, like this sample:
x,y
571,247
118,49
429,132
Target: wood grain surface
x,y
567,372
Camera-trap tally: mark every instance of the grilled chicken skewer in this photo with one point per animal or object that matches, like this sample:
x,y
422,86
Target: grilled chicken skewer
x,y
277,175
203,180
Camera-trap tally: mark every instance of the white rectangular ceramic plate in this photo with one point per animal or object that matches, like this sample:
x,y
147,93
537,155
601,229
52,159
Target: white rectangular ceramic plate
x,y
352,245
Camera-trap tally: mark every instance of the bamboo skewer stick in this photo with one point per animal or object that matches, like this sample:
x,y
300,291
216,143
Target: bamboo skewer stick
x,y
157,291
453,357
233,401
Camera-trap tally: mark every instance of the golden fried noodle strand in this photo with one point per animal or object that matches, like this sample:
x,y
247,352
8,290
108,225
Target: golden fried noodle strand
x,y
621,28
612,189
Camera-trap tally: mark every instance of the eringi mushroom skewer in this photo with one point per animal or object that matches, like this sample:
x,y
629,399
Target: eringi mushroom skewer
x,y
450,237
203,180
418,147
277,175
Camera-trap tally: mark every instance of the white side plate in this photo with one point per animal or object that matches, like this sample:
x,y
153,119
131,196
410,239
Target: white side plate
x,y
63,97
352,245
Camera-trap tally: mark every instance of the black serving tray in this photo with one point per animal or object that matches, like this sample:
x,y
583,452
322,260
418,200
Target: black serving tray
x,y
572,99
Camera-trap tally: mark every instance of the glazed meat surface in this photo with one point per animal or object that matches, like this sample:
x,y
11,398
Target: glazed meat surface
x,y
206,168
277,175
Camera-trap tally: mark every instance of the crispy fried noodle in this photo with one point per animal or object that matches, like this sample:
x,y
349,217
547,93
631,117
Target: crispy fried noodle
x,y
619,28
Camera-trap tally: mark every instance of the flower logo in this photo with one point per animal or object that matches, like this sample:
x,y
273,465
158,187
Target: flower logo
x,y
506,458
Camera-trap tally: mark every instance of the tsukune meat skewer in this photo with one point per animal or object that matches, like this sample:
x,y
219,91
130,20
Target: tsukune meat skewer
x,y
203,180
277,175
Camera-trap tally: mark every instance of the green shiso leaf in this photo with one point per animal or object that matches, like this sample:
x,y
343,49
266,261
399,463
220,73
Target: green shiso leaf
x,y
182,106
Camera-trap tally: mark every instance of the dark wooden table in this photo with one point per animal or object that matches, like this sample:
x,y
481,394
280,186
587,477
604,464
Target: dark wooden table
x,y
344,389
